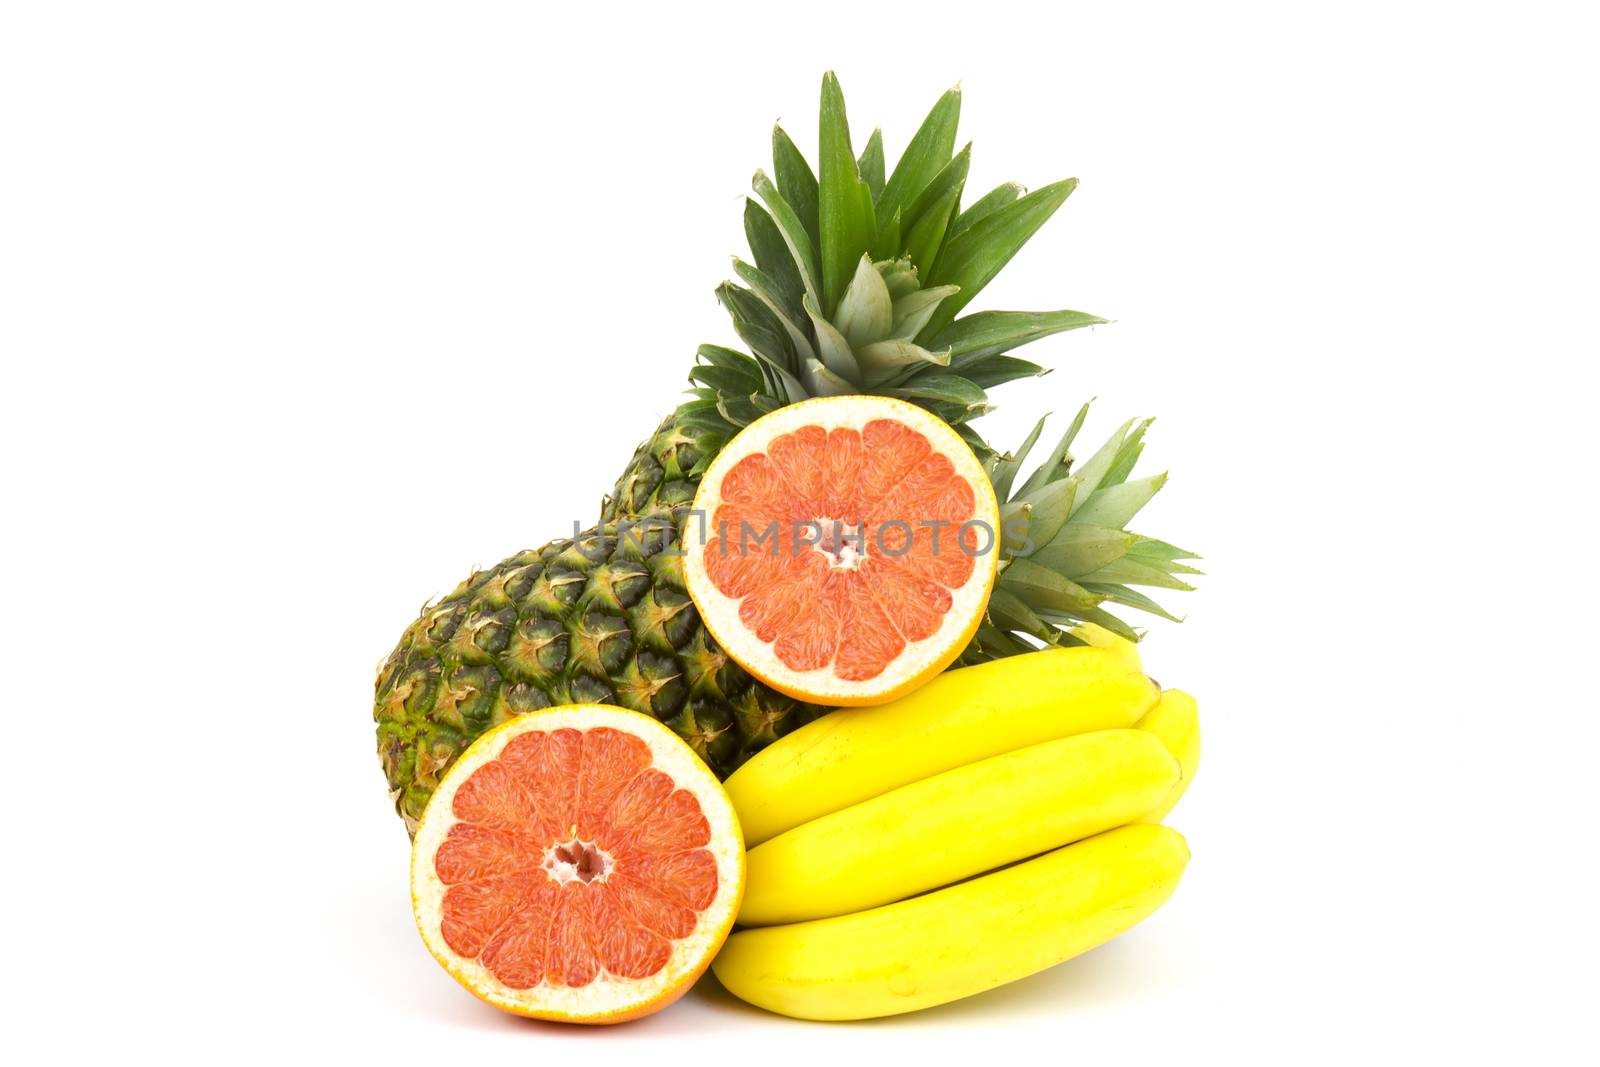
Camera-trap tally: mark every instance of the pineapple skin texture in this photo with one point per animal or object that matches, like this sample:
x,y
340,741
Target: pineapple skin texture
x,y
599,618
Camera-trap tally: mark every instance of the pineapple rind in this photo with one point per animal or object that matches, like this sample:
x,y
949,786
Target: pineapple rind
x,y
599,618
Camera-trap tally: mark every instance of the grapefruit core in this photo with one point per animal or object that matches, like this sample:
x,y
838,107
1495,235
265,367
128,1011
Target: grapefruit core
x,y
578,864
842,549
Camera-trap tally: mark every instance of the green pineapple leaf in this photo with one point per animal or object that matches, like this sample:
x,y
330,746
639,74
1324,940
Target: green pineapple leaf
x,y
912,311
1008,610
871,164
887,244
778,371
1063,536
922,241
822,381
1079,549
726,379
975,441
756,325
1117,505
957,392
739,410
955,414
994,643
924,157
987,204
973,259
801,248
766,290
844,204
1028,522
952,177
1132,448
932,211
1003,469
702,416
1045,590
1094,472
866,311
772,254
1152,550
1059,463
1098,616
882,362
989,332
832,346
1128,571
722,357
796,182
1121,594
997,370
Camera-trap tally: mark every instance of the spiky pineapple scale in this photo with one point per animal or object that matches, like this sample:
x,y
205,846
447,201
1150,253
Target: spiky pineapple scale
x,y
660,476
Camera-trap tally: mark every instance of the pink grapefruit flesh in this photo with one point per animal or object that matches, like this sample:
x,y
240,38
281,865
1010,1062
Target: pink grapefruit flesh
x,y
577,864
849,548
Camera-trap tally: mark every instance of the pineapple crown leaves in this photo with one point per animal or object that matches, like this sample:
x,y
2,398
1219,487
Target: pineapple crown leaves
x,y
860,277
858,285
1064,547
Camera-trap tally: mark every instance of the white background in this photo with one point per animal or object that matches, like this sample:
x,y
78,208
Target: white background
x,y
306,308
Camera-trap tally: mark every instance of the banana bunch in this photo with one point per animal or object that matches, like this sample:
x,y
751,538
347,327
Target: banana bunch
x,y
999,820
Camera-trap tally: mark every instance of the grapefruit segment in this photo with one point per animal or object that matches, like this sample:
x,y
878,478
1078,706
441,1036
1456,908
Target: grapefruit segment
x,y
579,864
848,547
892,449
474,852
474,912
842,464
799,458
917,603
756,482
945,555
877,639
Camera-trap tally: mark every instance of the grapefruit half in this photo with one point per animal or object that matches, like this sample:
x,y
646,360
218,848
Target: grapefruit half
x,y
578,864
842,549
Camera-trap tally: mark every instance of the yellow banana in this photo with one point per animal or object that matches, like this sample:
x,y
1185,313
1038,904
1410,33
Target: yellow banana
x,y
1176,721
960,940
1091,633
957,824
964,715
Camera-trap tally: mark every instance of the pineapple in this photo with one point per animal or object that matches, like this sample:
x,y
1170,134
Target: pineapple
x,y
857,285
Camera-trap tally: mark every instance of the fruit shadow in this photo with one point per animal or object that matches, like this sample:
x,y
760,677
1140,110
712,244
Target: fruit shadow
x,y
1116,972
445,1003
383,956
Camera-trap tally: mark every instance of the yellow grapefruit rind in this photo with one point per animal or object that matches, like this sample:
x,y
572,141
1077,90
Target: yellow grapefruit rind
x,y
605,1000
919,661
